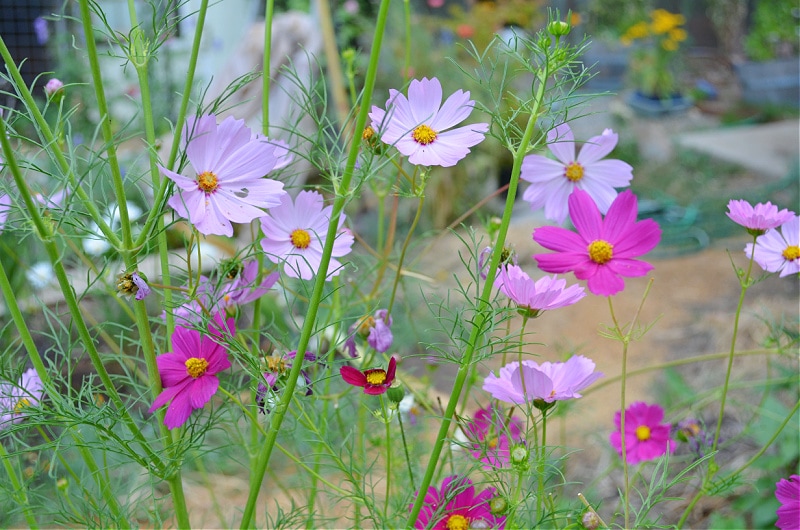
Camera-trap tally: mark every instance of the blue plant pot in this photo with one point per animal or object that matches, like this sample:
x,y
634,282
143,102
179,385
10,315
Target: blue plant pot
x,y
654,107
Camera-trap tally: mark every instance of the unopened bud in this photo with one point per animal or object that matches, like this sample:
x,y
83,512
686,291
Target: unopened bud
x,y
590,520
395,393
54,89
498,505
558,28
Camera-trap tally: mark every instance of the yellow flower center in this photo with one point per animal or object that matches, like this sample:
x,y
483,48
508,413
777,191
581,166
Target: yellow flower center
x,y
366,325
574,172
276,364
196,366
423,135
457,522
642,433
493,443
207,181
368,133
300,239
375,377
791,253
601,251
21,404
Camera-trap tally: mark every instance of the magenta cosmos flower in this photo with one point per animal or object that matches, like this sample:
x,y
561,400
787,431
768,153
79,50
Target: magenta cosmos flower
x,y
375,381
295,234
548,381
778,250
229,164
759,218
553,181
188,374
602,251
787,491
456,506
533,297
15,399
492,434
417,125
646,438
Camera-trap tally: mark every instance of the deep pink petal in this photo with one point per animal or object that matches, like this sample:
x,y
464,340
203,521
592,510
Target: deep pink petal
x,y
585,216
202,389
560,240
605,282
353,376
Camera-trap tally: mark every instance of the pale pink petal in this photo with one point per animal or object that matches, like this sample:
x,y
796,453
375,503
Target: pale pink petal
x,y
614,173
424,99
456,109
561,142
597,147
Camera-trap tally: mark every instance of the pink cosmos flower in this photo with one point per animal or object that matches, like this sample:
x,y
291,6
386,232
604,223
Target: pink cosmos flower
x,y
377,329
759,218
778,250
492,435
536,296
646,438
787,491
16,398
295,235
375,381
602,251
229,163
417,125
456,506
552,182
547,382
189,373
243,289
5,209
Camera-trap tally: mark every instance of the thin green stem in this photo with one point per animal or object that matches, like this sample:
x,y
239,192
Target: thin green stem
x,y
407,43
266,67
334,65
405,450
389,470
322,273
483,314
540,461
623,441
403,251
745,284
18,493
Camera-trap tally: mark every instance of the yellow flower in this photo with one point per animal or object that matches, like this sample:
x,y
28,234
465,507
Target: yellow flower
x,y
677,34
664,21
669,45
637,31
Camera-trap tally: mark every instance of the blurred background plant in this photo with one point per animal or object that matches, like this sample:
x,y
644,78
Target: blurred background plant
x,y
774,31
653,62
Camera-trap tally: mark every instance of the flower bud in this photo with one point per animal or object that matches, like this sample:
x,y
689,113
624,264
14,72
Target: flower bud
x,y
590,520
498,505
395,393
558,28
54,89
520,456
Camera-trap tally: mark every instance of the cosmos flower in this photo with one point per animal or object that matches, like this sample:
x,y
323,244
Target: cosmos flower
x,y
456,506
242,288
278,366
552,182
778,250
787,491
646,438
759,218
417,125
603,250
133,284
16,398
229,163
533,297
492,434
5,209
377,330
295,233
188,374
375,381
547,382
507,257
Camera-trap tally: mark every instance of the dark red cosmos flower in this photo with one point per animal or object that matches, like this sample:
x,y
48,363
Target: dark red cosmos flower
x,y
375,380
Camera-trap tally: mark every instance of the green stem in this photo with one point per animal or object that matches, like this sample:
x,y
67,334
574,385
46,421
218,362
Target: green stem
x,y
334,66
623,442
18,492
482,315
266,67
389,470
405,450
402,257
309,323
540,467
745,284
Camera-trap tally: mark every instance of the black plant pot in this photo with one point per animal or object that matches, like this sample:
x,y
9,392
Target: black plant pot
x,y
658,107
